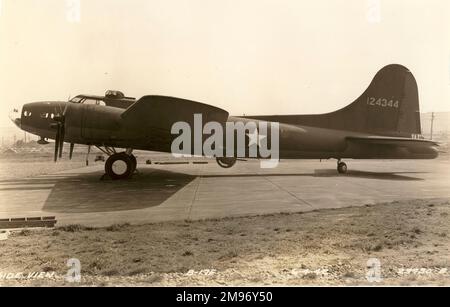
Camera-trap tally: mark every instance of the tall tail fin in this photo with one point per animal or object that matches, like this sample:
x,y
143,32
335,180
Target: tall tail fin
x,y
389,106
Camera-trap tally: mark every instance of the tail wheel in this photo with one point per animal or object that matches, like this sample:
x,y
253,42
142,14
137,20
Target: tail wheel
x,y
342,168
120,166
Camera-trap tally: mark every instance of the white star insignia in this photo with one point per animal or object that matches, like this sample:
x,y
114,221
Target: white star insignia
x,y
255,138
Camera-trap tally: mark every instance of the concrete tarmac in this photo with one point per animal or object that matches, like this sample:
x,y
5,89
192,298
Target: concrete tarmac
x,y
160,193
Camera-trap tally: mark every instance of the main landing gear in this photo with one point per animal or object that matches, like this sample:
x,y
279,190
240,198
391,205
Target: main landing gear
x,y
341,167
119,165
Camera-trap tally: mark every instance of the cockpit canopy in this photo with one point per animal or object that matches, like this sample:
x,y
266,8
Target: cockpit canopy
x,y
112,98
111,94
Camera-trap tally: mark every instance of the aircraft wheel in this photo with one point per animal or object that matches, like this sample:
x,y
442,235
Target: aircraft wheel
x,y
119,166
226,162
342,168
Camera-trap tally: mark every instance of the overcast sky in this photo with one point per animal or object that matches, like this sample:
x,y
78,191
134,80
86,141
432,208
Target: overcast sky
x,y
246,56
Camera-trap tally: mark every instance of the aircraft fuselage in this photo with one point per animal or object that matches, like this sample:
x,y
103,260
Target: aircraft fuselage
x,y
104,126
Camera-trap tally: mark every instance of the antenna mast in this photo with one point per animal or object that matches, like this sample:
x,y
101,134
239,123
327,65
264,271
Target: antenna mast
x,y
432,123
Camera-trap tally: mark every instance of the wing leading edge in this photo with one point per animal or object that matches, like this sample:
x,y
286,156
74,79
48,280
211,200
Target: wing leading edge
x,y
162,112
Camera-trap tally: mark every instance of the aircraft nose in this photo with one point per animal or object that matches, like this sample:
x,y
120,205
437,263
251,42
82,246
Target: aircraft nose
x,y
16,115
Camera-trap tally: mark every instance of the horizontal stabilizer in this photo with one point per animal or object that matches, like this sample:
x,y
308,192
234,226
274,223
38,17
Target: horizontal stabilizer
x,y
381,140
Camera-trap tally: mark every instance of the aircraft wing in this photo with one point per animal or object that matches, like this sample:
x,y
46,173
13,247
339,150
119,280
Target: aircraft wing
x,y
385,140
161,112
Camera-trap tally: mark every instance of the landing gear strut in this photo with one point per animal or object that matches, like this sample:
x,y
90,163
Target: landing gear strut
x,y
134,161
341,167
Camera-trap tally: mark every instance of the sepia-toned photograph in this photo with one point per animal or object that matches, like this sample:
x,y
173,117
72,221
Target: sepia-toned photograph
x,y
238,147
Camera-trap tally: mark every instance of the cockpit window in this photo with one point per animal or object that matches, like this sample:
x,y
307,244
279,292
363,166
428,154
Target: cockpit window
x,y
76,99
88,100
94,102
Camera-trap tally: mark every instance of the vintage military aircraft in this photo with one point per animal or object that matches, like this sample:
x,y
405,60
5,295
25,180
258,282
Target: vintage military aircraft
x,y
383,123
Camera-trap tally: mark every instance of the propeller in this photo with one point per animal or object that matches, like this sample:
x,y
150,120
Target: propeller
x,y
72,145
60,126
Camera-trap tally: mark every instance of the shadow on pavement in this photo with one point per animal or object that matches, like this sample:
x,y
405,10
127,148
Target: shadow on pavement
x,y
87,193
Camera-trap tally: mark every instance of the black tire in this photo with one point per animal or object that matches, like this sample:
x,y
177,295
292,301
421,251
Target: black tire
x,y
342,168
113,172
226,162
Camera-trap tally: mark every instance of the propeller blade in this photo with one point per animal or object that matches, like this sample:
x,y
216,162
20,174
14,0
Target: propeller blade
x,y
62,132
57,142
65,110
87,156
60,126
72,145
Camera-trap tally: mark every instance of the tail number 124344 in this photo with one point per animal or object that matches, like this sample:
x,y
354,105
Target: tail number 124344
x,y
383,102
